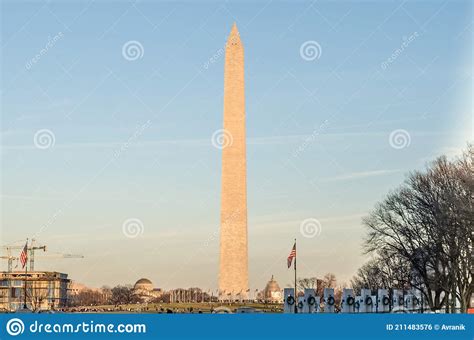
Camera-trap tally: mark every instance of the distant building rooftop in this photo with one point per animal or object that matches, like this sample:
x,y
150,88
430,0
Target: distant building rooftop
x,y
143,280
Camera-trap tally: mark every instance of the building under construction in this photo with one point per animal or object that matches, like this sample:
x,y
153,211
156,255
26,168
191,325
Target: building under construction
x,y
44,290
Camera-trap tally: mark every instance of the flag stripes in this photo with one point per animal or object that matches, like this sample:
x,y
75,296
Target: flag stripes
x,y
292,255
24,255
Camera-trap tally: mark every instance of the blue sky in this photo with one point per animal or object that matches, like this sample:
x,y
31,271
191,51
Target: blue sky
x,y
132,138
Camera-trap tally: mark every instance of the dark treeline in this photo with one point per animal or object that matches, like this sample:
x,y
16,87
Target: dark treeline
x,y
421,235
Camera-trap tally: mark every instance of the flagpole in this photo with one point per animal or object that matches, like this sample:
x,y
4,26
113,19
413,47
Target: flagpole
x,y
296,294
26,273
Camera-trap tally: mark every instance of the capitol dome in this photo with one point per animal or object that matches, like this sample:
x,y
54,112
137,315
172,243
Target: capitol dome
x,y
143,284
272,291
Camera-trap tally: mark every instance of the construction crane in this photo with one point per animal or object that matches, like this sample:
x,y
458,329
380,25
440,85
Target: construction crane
x,y
10,261
31,251
62,256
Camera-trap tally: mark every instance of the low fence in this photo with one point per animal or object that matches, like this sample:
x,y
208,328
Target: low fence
x,y
383,302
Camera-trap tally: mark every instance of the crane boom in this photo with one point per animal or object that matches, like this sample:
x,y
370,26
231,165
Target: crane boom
x,y
31,250
62,256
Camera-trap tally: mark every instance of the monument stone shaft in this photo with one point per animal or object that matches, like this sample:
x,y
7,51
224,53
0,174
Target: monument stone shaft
x,y
233,271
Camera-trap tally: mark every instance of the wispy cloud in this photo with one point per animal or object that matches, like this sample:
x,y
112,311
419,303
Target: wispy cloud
x,y
206,142
278,224
360,175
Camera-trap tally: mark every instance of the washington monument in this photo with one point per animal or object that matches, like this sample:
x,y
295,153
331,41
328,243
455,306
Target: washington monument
x,y
233,270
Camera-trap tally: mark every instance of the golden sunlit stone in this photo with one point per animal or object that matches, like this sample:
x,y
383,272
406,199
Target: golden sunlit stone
x,y
233,271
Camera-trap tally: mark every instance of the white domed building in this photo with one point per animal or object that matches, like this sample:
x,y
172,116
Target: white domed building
x,y
272,292
145,291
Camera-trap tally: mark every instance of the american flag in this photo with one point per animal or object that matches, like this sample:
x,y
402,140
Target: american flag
x,y
292,255
24,255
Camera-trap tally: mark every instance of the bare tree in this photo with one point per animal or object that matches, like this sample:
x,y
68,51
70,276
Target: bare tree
x,y
383,272
308,282
329,280
106,293
36,294
90,297
427,223
122,295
